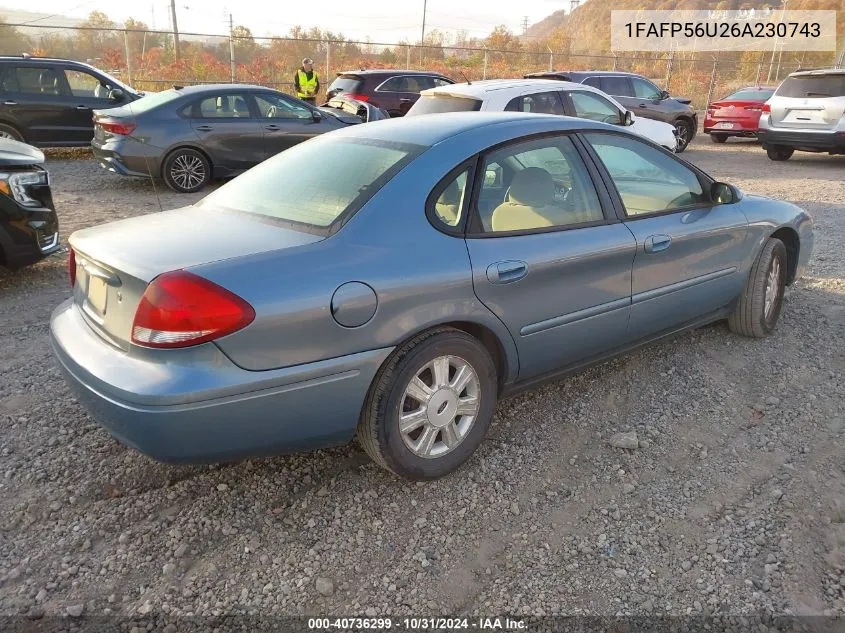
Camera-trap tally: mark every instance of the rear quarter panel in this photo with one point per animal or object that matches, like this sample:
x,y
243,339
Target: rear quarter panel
x,y
422,278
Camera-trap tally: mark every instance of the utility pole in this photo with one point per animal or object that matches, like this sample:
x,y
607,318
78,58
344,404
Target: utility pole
x,y
525,25
775,47
422,35
232,46
175,29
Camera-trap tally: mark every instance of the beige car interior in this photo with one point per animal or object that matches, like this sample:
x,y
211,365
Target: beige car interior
x,y
448,205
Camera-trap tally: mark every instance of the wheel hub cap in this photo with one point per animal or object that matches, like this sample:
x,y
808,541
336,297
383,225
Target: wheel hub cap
x,y
772,288
439,407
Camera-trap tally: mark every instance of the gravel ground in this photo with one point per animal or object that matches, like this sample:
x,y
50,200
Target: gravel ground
x,y
733,502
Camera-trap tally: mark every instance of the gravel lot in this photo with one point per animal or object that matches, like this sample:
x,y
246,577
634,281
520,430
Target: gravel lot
x,y
734,502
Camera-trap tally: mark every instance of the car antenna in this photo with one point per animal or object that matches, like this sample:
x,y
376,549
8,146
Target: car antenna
x,y
463,74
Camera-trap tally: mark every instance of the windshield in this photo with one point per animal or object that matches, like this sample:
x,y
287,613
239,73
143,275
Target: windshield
x,y
433,104
316,183
751,95
803,86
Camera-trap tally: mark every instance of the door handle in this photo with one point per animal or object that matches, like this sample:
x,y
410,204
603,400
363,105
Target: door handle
x,y
10,103
506,272
204,128
657,243
642,105
82,107
272,127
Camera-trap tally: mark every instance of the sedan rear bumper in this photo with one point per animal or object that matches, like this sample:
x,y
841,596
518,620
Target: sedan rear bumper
x,y
198,406
833,142
127,158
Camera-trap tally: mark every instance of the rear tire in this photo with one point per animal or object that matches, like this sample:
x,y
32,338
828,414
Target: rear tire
x,y
718,138
758,309
450,370
186,170
685,134
10,132
779,152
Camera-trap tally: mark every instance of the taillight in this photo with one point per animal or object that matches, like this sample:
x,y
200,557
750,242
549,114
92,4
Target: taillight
x,y
114,127
363,98
755,108
766,107
71,266
180,309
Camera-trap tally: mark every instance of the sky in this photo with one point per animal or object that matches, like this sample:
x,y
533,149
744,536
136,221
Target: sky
x,y
380,20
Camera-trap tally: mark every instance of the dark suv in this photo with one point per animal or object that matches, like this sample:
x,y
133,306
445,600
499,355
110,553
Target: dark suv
x,y
639,95
29,228
49,102
392,90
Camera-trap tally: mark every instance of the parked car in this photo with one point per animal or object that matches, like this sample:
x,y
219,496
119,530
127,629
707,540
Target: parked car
x,y
187,135
346,108
806,113
361,299
393,90
737,114
29,227
542,97
49,102
640,95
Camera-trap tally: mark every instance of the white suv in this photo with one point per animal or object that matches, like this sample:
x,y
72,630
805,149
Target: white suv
x,y
806,113
542,96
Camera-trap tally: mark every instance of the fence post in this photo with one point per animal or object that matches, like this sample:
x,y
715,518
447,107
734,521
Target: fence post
x,y
484,76
712,83
614,61
128,60
328,62
231,49
408,59
759,69
669,69
551,59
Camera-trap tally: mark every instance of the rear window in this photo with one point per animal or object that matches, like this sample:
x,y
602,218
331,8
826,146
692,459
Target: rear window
x,y
432,104
808,86
351,171
153,100
346,84
750,95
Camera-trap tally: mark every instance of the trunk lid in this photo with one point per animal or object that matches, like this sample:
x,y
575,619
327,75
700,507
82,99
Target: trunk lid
x,y
736,109
115,262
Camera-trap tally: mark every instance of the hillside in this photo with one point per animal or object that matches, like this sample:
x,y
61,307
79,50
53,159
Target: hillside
x,y
588,26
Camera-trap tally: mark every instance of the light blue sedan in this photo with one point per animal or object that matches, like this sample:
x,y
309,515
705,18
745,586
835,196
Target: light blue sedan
x,y
393,280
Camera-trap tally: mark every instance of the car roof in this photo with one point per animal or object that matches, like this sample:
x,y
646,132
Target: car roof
x,y
203,88
432,129
554,73
389,71
818,71
479,89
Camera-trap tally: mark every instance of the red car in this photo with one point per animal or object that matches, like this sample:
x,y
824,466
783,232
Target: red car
x,y
737,114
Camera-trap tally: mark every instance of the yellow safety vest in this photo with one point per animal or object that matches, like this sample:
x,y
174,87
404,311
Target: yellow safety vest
x,y
307,87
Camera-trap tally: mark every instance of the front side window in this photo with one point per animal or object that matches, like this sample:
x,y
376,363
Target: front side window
x,y
350,172
548,186
648,181
277,107
231,106
645,89
588,105
539,103
85,85
617,86
450,201
34,80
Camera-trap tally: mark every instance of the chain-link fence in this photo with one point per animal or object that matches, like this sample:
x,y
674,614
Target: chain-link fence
x,y
155,60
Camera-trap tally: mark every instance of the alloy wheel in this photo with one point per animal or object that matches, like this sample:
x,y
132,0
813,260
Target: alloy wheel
x,y
187,171
683,134
772,289
439,407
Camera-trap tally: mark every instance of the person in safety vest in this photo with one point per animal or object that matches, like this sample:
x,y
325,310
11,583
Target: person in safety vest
x,y
306,82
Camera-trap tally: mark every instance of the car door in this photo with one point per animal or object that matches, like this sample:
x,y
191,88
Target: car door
x,y
549,261
689,248
36,98
88,93
286,121
228,131
398,94
649,101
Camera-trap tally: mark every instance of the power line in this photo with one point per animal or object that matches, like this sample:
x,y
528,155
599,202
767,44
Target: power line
x,y
58,15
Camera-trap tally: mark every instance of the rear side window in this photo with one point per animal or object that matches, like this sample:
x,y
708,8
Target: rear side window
x,y
38,80
539,103
346,83
595,82
617,86
231,106
809,86
432,104
8,81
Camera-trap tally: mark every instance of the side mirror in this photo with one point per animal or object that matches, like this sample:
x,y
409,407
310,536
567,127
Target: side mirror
x,y
316,115
664,94
627,118
723,193
115,94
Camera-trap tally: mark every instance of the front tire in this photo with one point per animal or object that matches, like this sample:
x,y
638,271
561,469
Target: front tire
x,y
186,170
758,309
779,152
685,133
430,405
10,132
